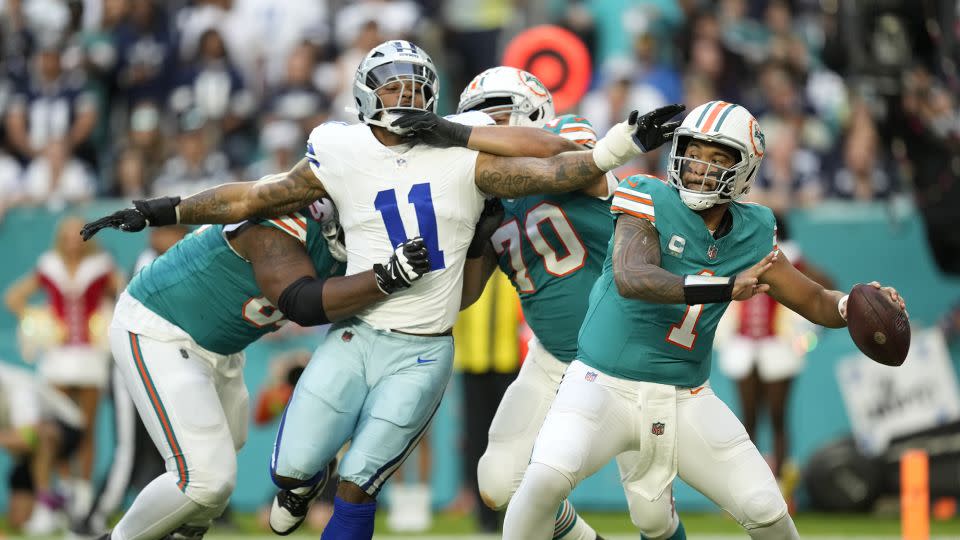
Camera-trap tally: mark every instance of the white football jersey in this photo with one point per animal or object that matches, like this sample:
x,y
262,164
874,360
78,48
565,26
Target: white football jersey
x,y
386,195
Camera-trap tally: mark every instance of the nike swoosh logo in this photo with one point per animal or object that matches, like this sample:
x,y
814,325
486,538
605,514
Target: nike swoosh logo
x,y
696,390
425,360
631,183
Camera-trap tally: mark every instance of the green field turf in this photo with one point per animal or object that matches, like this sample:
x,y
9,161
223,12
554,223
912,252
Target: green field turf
x,y
617,526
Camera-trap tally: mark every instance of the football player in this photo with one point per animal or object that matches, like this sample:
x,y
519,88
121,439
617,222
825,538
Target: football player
x,y
552,247
639,390
178,334
385,186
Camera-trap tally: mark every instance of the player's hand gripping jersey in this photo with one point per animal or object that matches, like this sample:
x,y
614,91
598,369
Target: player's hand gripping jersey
x,y
388,194
203,286
669,343
552,247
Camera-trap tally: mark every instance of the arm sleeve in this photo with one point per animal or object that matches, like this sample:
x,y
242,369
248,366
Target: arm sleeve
x,y
302,302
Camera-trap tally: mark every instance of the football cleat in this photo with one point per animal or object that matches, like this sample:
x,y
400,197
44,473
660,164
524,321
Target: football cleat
x,y
289,509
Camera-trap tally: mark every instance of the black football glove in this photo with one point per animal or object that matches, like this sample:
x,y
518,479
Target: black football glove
x,y
408,263
153,212
428,128
652,128
489,222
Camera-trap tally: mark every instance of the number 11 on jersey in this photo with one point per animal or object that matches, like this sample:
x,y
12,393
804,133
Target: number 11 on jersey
x,y
422,201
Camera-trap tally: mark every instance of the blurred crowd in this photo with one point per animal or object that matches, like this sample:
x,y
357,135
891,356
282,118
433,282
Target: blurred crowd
x,y
122,98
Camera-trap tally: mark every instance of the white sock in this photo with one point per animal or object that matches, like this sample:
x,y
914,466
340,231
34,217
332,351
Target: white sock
x,y
570,526
160,508
531,514
81,498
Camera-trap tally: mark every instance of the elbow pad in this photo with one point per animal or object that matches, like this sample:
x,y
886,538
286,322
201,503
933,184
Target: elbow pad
x,y
302,302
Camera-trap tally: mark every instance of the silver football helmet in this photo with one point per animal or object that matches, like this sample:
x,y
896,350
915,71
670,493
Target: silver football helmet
x,y
395,60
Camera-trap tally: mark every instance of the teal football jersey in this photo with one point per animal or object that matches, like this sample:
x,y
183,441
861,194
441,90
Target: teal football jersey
x,y
205,288
552,248
669,343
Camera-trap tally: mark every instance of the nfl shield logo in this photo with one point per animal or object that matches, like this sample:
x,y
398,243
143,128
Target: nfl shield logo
x,y
590,376
657,428
346,336
712,252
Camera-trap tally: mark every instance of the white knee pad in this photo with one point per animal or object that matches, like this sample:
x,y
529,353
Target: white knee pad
x,y
496,475
756,492
654,519
781,529
211,486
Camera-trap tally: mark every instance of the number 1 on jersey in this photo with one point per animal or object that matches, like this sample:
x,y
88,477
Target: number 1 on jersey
x,y
422,200
684,334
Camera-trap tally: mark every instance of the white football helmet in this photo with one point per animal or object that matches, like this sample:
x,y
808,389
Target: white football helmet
x,y
394,60
718,122
506,89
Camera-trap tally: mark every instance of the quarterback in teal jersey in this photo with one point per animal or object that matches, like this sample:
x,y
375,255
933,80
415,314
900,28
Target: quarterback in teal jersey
x,y
178,334
681,251
552,248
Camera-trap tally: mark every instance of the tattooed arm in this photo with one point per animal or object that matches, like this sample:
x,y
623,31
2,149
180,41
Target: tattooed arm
x,y
271,196
512,177
636,264
280,260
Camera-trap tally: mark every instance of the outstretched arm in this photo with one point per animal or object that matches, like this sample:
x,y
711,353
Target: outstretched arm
x,y
513,177
801,294
271,196
512,141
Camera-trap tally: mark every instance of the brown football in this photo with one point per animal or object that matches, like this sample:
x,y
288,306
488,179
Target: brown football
x,y
877,325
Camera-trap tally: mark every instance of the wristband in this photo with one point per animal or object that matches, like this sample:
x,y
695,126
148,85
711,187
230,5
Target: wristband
x,y
842,306
160,211
707,289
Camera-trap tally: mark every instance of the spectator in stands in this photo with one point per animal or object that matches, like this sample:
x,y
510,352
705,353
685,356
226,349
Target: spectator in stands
x,y
195,166
785,107
52,105
472,36
932,141
147,53
368,36
864,175
11,183
211,85
130,178
789,176
146,135
725,70
37,424
57,178
296,99
282,140
80,282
